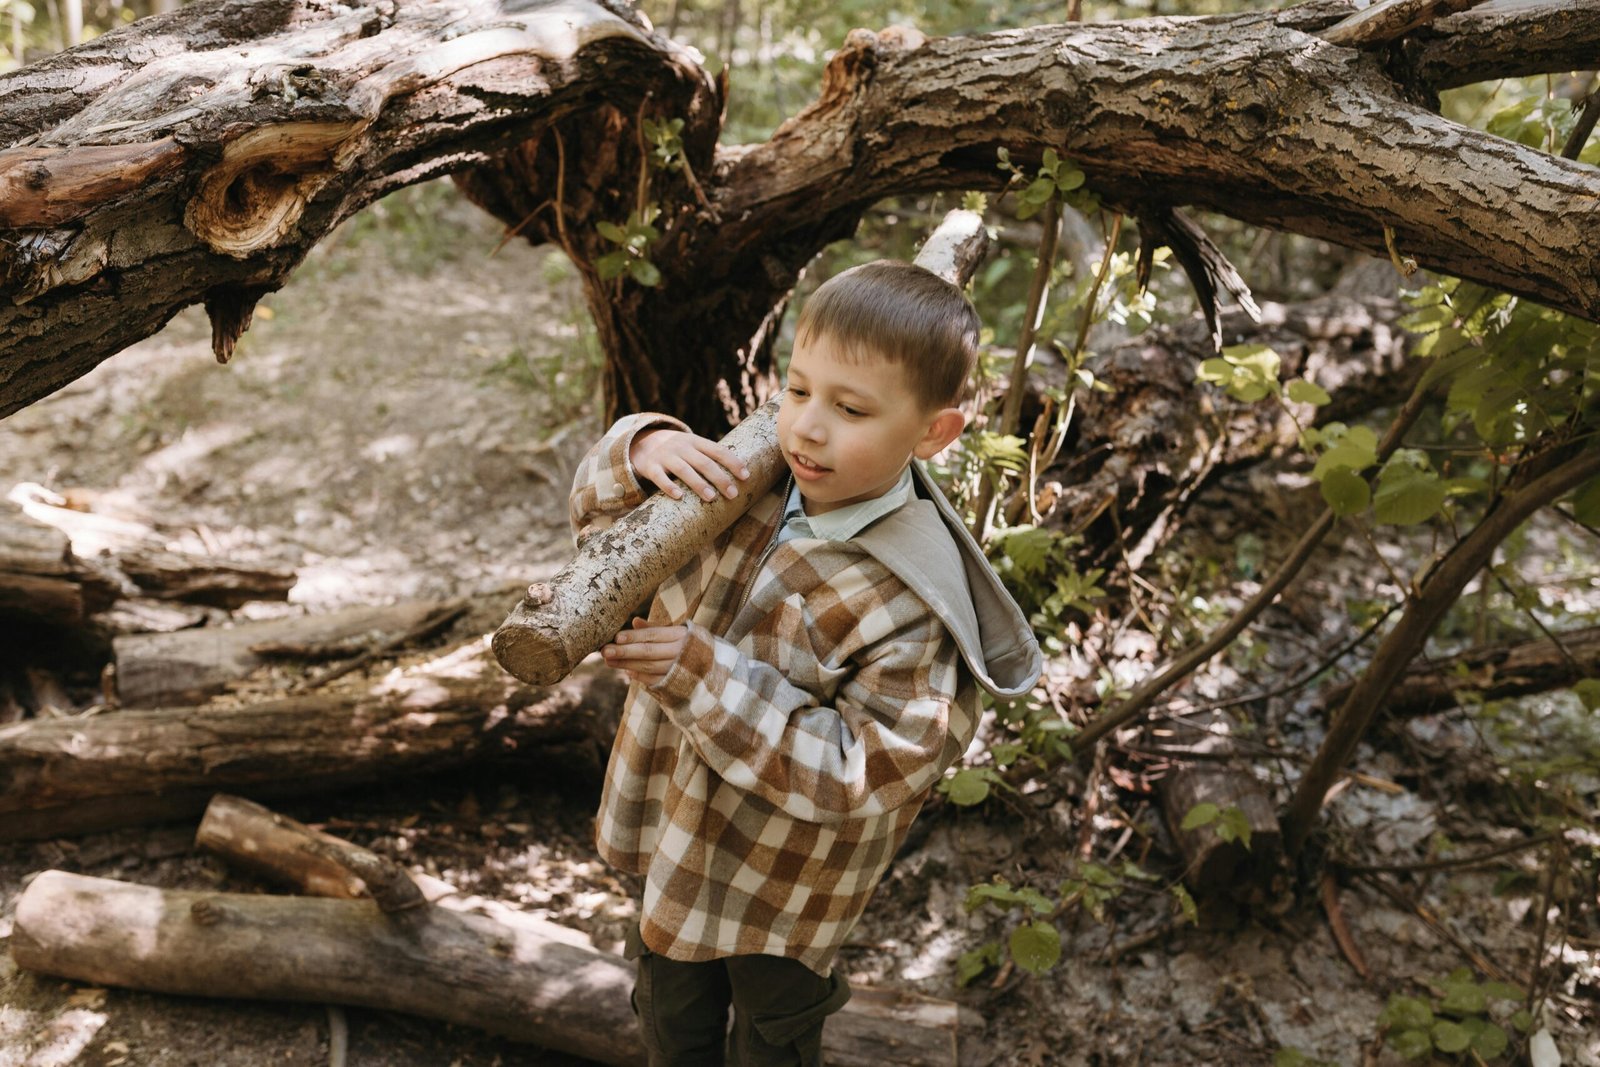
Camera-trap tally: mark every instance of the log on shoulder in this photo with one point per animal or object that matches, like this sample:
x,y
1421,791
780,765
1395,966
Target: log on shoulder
x,y
617,569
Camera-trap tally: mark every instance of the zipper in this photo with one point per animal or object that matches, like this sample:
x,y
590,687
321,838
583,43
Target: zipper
x,y
744,598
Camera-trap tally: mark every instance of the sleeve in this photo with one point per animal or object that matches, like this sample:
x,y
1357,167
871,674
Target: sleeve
x,y
877,748
605,488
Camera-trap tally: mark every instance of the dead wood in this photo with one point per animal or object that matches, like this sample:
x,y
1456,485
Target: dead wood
x,y
187,666
511,974
41,579
617,569
272,153
65,776
1213,865
906,1028
1490,672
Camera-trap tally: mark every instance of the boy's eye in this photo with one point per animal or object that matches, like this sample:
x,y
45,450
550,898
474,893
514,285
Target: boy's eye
x,y
852,412
795,390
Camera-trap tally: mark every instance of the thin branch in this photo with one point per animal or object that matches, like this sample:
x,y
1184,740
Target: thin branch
x,y
1188,662
1585,126
1477,859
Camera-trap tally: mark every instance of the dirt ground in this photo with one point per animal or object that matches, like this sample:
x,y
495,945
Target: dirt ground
x,y
402,421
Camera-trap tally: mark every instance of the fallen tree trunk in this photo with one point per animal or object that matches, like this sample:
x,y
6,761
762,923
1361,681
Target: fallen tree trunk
x,y
64,776
188,666
514,975
196,162
875,1027
1491,672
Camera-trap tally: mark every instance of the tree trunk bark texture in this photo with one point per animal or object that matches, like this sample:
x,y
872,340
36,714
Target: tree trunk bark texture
x,y
195,157
74,775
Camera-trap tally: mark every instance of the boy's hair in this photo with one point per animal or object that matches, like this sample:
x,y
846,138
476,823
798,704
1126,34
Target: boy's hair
x,y
903,313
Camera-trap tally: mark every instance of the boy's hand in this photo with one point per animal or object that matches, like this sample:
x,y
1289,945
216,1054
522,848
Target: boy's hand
x,y
700,464
646,653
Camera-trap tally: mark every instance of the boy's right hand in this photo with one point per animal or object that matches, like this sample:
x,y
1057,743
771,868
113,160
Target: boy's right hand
x,y
701,464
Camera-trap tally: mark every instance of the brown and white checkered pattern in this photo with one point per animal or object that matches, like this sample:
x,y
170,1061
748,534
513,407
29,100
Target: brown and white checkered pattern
x,y
764,785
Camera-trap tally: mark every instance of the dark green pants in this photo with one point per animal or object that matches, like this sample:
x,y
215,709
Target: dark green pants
x,y
779,1006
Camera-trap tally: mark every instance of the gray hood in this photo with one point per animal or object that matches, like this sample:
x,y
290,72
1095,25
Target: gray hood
x,y
928,547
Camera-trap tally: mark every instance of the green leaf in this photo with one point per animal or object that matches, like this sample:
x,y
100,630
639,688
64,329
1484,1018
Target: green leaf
x,y
1522,1019
967,787
1490,1042
1039,191
644,272
1216,370
1345,491
1501,991
1186,905
1411,1044
611,264
971,964
1406,1013
1305,392
612,232
1050,159
1203,814
1463,997
1406,496
1036,946
1072,179
1587,690
1450,1037
1234,825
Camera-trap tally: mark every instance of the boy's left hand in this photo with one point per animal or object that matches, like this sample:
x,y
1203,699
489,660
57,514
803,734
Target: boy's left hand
x,y
645,653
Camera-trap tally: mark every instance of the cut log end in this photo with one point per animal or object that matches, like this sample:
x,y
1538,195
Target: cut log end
x,y
532,653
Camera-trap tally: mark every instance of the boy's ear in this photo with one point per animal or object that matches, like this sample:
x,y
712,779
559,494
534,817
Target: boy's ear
x,y
945,427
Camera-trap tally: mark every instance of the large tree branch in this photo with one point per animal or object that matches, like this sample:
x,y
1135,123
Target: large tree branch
x,y
204,153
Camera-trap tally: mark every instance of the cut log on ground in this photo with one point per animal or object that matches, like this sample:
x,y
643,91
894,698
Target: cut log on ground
x,y
514,975
618,568
1215,865
188,666
1492,672
63,776
877,1026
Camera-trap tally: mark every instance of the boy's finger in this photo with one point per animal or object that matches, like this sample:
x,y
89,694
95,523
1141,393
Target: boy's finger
x,y
712,471
727,459
684,468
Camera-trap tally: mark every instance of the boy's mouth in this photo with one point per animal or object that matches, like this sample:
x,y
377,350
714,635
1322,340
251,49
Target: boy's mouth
x,y
804,469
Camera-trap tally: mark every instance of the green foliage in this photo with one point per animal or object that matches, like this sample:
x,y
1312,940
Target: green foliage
x,y
666,143
1231,823
1456,1022
971,964
1036,946
632,254
1055,178
970,785
1037,566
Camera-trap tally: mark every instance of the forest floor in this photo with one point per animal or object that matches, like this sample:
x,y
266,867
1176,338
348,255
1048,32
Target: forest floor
x,y
402,421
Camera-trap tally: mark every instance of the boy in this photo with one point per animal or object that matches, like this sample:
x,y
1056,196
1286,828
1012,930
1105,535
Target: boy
x,y
800,686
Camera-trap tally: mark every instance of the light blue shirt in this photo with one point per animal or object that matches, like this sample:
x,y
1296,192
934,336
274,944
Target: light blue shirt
x,y
841,524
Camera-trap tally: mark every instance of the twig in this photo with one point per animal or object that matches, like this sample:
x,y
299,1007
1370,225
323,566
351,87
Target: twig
x,y
1542,923
1479,960
1585,126
1341,929
338,1037
1189,661
1473,860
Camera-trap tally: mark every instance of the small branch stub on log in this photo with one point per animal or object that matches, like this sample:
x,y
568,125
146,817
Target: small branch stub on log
x,y
557,625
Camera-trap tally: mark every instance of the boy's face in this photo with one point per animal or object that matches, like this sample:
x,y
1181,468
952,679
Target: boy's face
x,y
847,429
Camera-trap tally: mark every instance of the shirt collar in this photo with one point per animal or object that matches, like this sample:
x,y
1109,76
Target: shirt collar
x,y
841,524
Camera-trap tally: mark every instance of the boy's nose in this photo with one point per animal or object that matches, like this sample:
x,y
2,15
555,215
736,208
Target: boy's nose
x,y
808,427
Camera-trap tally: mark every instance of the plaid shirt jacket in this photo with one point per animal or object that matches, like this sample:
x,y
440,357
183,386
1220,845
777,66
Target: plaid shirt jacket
x,y
763,786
